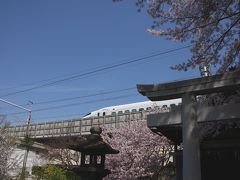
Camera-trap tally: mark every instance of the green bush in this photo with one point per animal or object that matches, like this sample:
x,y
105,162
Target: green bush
x,y
53,172
38,172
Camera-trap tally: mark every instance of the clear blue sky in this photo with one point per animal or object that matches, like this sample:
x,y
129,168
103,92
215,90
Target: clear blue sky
x,y
50,40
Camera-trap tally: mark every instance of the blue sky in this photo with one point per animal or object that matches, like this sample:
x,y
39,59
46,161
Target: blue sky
x,y
50,40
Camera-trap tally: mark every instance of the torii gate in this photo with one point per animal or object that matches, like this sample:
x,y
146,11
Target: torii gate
x,y
188,90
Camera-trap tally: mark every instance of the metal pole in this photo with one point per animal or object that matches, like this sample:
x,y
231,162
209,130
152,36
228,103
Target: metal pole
x,y
27,147
27,133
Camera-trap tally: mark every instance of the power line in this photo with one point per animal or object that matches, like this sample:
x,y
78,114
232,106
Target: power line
x,y
86,102
97,70
46,80
28,84
86,96
75,104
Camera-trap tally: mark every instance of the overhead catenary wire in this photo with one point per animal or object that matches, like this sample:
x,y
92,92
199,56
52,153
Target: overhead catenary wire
x,y
80,97
75,104
102,69
84,96
91,73
47,80
81,103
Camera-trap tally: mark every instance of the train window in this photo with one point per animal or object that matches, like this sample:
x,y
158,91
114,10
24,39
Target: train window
x,y
127,112
120,112
98,114
134,110
114,113
164,106
141,109
148,108
104,113
87,114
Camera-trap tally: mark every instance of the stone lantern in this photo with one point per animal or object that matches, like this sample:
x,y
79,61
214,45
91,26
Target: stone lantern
x,y
93,156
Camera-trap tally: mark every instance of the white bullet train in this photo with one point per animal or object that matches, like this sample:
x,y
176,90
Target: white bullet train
x,y
133,108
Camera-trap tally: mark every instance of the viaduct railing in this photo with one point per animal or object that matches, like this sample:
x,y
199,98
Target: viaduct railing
x,y
73,127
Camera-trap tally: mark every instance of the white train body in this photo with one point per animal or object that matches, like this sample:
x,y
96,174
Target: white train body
x,y
132,108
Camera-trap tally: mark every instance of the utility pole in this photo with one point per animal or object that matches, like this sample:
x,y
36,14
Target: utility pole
x,y
27,134
27,141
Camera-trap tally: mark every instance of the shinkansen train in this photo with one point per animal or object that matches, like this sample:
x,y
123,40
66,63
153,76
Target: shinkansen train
x,y
133,108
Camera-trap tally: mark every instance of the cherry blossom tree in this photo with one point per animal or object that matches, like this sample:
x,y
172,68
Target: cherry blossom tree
x,y
143,154
64,156
211,26
7,145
